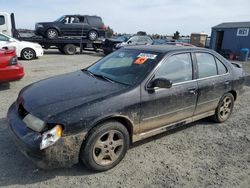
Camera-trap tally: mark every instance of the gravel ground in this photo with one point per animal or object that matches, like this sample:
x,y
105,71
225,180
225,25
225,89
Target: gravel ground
x,y
202,154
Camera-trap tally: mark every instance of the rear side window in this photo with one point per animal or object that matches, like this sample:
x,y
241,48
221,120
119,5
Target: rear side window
x,y
221,67
95,21
2,20
177,68
206,65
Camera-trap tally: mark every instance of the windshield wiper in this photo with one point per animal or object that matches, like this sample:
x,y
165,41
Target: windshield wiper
x,y
103,77
89,72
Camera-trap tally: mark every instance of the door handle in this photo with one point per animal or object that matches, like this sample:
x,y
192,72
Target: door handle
x,y
192,90
227,82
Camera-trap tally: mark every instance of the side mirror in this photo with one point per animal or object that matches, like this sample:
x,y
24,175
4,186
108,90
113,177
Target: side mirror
x,y
161,83
129,42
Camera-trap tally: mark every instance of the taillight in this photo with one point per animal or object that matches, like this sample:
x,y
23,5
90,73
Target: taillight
x,y
104,27
13,61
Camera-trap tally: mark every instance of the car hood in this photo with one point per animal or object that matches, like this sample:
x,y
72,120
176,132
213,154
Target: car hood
x,y
55,95
45,23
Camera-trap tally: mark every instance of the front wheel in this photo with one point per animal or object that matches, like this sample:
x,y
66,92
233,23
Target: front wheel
x,y
52,34
28,54
224,109
105,147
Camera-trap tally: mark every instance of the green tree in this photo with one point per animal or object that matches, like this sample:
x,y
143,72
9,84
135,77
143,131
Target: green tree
x,y
176,35
110,32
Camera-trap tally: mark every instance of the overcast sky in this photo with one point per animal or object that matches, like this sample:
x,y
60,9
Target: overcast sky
x,y
130,16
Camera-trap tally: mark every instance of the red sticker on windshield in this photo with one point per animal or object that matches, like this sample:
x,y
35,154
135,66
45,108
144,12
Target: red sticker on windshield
x,y
141,60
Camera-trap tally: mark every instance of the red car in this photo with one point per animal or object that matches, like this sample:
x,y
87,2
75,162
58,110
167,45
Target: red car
x,y
10,69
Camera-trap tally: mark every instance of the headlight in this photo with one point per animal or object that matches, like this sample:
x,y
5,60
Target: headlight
x,y
50,137
34,123
39,26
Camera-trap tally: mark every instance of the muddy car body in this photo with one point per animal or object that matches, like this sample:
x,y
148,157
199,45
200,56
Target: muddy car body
x,y
94,114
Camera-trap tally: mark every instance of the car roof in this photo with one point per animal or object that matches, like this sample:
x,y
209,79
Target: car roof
x,y
82,15
166,48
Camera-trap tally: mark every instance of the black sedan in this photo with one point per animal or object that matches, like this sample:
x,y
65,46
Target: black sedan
x,y
111,45
93,115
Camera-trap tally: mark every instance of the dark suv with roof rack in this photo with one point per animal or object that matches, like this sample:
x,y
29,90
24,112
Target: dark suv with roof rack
x,y
90,27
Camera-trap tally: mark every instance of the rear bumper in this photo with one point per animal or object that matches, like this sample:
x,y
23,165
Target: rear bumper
x,y
11,73
64,153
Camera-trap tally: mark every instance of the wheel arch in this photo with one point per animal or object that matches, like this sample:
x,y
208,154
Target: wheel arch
x,y
234,93
126,122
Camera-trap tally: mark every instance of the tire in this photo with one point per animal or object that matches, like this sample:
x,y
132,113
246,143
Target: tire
x,y
224,108
93,35
102,151
69,49
28,54
52,34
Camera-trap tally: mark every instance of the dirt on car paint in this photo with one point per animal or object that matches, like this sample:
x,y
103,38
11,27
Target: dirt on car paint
x,y
201,154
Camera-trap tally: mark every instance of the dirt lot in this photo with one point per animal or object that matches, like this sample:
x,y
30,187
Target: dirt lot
x,y
203,154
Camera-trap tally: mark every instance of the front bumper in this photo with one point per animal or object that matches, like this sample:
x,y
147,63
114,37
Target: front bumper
x,y
39,52
40,31
64,153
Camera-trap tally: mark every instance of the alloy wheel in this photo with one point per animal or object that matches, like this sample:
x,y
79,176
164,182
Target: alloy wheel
x,y
225,108
52,34
28,54
92,35
108,147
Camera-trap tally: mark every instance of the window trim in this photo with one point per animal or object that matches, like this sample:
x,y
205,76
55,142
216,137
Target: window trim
x,y
164,59
216,59
198,75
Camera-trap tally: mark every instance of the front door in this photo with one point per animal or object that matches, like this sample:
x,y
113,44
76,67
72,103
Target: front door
x,y
160,106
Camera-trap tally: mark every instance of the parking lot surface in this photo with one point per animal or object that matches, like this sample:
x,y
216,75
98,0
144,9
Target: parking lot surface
x,y
201,154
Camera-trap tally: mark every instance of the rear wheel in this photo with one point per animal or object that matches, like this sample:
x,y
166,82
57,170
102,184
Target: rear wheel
x,y
52,34
28,54
224,109
93,35
105,147
69,49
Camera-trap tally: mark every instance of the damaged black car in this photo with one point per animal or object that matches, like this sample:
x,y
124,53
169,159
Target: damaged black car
x,y
93,115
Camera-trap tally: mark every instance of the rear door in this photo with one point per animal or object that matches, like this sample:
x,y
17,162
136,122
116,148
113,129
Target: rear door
x,y
165,106
213,81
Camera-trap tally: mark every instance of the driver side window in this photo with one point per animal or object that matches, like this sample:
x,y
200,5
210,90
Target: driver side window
x,y
177,68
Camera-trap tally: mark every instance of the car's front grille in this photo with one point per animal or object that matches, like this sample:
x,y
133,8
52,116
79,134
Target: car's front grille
x,y
21,111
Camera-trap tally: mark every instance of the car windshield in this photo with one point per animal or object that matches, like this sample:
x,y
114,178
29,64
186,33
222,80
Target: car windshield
x,y
126,66
60,19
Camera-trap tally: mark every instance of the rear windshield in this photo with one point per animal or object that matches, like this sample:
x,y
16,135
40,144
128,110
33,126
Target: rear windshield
x,y
95,21
126,66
